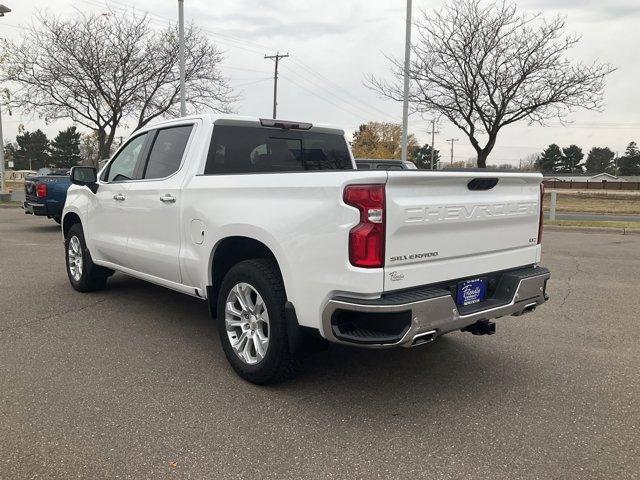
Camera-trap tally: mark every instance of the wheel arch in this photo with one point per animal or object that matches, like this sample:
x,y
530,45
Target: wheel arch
x,y
228,252
69,219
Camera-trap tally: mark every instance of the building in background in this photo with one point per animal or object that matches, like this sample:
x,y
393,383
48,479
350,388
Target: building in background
x,y
585,177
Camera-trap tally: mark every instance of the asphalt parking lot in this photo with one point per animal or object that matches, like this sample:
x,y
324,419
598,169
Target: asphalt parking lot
x,y
131,382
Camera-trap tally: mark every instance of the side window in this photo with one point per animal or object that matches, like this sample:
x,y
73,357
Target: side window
x,y
167,151
122,167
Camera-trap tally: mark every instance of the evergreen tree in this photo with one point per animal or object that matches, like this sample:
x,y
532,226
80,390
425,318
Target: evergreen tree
x,y
629,164
33,150
421,156
9,153
551,159
599,160
65,148
571,158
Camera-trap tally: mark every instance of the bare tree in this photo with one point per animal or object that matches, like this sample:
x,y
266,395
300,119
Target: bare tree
x,y
99,70
486,65
529,162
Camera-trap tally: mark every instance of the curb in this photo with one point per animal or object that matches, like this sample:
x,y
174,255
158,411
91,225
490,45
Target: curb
x,y
9,205
617,230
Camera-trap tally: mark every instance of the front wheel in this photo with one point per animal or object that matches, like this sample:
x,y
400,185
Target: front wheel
x,y
84,275
252,322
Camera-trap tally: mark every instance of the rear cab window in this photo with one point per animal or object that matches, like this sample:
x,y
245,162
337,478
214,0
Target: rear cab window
x,y
239,149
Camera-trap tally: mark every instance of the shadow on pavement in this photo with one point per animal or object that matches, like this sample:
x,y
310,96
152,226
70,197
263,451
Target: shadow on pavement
x,y
457,367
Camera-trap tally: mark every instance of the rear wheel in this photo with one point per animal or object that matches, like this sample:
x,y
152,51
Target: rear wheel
x,y
252,322
84,275
58,220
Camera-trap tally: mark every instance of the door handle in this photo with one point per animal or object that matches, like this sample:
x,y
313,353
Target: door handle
x,y
168,198
118,196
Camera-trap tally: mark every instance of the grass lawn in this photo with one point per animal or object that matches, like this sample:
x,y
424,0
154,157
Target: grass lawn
x,y
587,223
595,202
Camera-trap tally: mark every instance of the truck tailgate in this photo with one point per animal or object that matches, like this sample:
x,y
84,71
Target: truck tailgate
x,y
448,225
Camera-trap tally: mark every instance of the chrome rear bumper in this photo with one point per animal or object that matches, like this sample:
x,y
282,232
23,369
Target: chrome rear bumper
x,y
430,312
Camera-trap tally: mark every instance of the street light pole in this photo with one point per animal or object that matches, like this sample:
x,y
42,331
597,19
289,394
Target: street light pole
x,y
183,106
405,102
3,10
1,153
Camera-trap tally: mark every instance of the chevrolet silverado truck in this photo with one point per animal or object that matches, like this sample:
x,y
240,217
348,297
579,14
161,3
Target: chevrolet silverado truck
x,y
270,223
46,192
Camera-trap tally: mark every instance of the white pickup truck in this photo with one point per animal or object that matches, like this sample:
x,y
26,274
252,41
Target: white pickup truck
x,y
270,222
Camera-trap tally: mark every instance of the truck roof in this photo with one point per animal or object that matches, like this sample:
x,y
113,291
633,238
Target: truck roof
x,y
246,121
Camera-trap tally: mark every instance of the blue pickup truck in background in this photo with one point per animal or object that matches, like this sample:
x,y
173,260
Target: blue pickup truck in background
x,y
46,192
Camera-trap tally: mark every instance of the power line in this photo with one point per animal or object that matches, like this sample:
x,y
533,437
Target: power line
x,y
161,20
236,42
252,83
247,69
258,46
322,87
17,27
340,88
315,94
295,61
237,79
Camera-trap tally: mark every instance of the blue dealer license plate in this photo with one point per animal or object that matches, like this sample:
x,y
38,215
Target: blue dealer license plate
x,y
471,291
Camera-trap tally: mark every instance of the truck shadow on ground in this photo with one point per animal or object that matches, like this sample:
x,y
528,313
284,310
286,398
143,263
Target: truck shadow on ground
x,y
454,367
47,226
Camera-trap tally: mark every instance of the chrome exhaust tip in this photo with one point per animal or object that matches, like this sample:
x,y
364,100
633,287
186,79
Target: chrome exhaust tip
x,y
527,309
424,337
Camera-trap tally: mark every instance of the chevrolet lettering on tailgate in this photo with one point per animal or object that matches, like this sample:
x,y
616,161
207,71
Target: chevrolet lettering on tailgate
x,y
438,213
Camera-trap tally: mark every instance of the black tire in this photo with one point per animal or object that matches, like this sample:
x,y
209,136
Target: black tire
x,y
58,220
92,277
278,363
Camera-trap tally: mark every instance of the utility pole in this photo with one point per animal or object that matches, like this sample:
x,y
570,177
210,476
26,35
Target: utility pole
x,y
183,106
452,140
433,134
405,101
277,58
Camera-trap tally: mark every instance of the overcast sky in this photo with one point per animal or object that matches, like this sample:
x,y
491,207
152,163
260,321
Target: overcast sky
x,y
333,44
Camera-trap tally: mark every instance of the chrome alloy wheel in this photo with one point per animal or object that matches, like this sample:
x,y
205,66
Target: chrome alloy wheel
x,y
247,323
75,258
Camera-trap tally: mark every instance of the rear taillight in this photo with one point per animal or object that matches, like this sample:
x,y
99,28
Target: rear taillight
x,y
366,240
541,219
41,190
